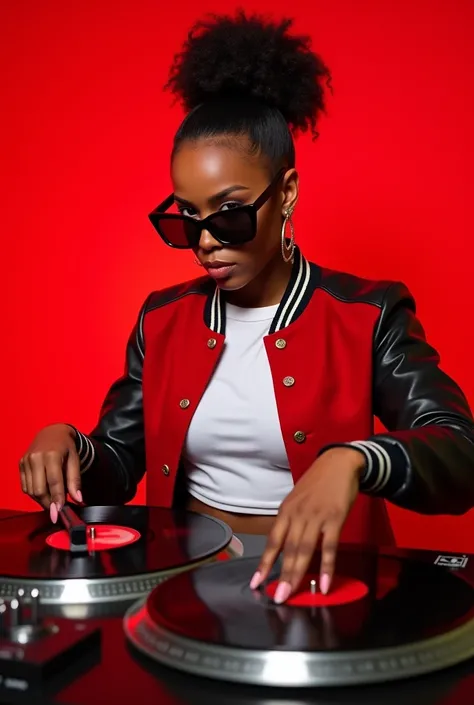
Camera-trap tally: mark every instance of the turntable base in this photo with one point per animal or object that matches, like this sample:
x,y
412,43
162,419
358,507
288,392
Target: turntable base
x,y
412,621
118,672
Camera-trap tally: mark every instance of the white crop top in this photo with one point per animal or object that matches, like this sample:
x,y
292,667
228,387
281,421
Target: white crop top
x,y
234,454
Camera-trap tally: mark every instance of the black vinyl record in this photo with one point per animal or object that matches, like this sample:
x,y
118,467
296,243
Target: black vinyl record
x,y
164,540
405,602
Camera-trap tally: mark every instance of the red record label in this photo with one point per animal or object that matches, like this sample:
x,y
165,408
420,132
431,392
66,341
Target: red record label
x,y
107,537
343,590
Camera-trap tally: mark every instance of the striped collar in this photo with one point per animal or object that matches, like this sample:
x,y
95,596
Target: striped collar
x,y
304,279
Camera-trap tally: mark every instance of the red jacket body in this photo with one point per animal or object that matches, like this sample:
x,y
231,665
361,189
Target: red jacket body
x,y
341,350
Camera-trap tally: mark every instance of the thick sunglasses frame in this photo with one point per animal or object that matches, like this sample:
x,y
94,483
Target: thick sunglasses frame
x,y
159,216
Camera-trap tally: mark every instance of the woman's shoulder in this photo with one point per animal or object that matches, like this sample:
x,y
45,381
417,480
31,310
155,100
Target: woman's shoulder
x,y
176,292
353,288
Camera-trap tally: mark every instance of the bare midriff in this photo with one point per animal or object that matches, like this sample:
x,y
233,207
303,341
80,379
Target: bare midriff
x,y
239,523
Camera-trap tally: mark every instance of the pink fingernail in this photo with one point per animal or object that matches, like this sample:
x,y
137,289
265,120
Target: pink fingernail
x,y
256,580
282,593
324,583
79,495
53,512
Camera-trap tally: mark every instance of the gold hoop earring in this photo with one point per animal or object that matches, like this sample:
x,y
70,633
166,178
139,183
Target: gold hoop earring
x,y
288,251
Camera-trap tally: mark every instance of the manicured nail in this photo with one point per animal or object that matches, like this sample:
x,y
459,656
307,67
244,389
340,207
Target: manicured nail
x,y
282,593
79,495
324,583
256,580
53,512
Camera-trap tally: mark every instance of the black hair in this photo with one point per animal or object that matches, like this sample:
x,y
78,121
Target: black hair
x,y
246,75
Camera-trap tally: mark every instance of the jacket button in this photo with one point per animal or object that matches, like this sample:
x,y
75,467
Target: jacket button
x,y
211,343
165,470
288,381
280,343
184,403
300,436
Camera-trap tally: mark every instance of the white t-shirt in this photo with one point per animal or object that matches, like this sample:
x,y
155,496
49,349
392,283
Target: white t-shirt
x,y
234,454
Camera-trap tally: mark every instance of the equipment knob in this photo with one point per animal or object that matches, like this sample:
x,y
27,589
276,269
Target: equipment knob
x,y
3,617
15,614
20,620
20,598
35,606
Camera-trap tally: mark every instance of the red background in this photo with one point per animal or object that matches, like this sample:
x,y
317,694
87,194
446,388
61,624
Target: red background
x,y
86,132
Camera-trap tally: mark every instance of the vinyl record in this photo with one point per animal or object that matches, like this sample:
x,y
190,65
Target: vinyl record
x,y
132,544
386,618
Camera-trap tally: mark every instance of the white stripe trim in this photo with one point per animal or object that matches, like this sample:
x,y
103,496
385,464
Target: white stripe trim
x,y
219,312
87,453
90,452
216,312
388,465
368,456
81,443
291,296
380,466
213,310
302,292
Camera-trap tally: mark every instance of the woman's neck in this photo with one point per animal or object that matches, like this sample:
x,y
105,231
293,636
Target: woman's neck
x,y
266,289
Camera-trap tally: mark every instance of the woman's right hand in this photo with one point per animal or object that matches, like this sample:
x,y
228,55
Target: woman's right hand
x,y
50,468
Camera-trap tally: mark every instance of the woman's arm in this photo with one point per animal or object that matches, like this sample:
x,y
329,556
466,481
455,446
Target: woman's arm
x,y
426,460
112,456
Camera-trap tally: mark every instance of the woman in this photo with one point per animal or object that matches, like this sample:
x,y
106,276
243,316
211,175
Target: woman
x,y
249,393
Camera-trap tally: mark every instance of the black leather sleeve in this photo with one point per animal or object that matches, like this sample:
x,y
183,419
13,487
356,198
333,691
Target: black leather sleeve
x,y
113,455
426,460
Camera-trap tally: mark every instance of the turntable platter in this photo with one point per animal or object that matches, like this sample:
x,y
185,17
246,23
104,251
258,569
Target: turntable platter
x,y
402,618
133,550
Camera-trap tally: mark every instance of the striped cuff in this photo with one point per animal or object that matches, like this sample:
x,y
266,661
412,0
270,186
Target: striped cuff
x,y
85,450
386,465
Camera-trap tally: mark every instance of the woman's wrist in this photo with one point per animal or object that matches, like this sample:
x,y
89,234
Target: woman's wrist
x,y
349,457
71,430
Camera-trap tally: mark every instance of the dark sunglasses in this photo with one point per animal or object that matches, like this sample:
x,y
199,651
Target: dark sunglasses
x,y
235,226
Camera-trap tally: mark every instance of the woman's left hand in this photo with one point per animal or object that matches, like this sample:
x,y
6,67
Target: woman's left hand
x,y
318,506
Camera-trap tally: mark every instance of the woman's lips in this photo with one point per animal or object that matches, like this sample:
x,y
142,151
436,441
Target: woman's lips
x,y
220,271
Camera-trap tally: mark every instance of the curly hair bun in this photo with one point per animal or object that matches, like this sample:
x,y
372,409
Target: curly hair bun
x,y
249,57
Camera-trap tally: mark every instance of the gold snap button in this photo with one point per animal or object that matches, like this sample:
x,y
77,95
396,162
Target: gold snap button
x,y
300,437
280,343
165,470
288,381
211,343
184,403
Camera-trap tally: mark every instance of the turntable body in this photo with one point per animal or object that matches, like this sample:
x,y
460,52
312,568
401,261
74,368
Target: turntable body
x,y
134,549
119,673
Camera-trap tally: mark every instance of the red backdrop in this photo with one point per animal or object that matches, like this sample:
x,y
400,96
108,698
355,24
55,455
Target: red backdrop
x,y
86,132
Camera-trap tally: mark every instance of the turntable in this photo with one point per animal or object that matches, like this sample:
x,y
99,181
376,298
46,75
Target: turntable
x,y
54,580
386,618
136,604
104,557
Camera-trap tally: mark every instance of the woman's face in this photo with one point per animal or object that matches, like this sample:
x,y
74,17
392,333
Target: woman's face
x,y
209,176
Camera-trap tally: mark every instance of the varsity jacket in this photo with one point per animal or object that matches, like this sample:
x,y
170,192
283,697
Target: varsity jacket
x,y
342,350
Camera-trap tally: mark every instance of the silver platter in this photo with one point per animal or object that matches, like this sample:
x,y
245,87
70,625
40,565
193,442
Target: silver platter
x,y
296,668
